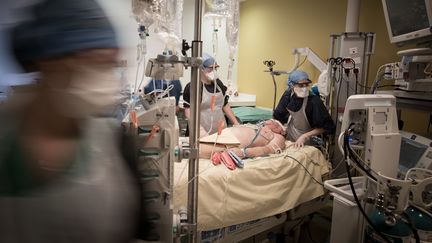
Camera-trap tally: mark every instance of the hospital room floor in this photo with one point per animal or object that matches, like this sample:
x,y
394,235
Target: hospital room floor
x,y
315,229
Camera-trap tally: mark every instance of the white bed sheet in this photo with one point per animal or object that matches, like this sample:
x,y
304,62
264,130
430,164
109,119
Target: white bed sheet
x,y
264,187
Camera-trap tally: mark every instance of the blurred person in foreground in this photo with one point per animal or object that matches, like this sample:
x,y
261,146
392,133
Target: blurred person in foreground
x,y
62,176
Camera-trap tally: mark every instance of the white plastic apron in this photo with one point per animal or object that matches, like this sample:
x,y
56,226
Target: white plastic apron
x,y
298,123
210,119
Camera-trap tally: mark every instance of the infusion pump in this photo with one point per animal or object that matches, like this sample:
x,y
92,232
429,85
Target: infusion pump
x,y
416,151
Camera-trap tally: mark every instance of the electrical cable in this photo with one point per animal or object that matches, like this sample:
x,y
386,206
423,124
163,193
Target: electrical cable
x,y
355,159
356,80
304,60
377,79
275,91
353,156
307,171
337,100
389,85
341,162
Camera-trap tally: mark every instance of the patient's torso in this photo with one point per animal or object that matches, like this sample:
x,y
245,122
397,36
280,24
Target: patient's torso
x,y
253,135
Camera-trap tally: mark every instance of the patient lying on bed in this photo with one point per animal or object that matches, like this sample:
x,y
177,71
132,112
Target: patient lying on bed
x,y
246,140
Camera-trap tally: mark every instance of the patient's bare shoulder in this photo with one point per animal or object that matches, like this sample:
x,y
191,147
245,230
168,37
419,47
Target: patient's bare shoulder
x,y
278,140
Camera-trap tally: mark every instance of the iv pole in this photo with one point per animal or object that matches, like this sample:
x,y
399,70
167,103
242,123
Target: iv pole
x,y
194,127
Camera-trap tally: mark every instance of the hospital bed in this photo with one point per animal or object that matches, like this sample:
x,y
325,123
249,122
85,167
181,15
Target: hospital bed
x,y
246,201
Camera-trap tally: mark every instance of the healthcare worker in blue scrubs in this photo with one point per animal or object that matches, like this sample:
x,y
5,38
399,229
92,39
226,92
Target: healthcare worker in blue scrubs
x,y
303,111
62,174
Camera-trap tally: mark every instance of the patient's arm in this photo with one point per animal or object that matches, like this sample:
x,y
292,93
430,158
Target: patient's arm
x,y
277,143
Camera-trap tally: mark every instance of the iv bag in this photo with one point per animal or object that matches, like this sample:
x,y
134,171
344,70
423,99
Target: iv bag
x,y
169,24
232,24
216,8
232,31
142,10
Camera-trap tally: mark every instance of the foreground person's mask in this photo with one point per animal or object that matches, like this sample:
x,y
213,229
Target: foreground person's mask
x,y
90,91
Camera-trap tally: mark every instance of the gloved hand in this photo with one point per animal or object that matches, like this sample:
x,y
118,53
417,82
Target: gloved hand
x,y
300,142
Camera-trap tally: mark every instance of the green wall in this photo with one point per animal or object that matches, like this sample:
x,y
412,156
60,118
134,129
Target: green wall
x,y
270,29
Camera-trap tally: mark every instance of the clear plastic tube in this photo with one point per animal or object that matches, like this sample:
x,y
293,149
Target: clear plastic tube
x,y
216,27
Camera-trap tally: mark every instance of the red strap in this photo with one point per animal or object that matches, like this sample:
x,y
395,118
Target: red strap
x,y
133,118
213,102
155,129
216,158
221,127
227,160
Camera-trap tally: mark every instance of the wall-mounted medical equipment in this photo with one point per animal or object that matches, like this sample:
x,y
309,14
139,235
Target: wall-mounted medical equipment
x,y
347,74
414,71
351,77
408,21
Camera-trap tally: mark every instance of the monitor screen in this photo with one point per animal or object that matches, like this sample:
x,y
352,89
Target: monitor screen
x,y
407,19
410,153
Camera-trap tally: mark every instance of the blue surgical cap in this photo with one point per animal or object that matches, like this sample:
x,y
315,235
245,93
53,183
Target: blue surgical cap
x,y
209,61
297,76
62,27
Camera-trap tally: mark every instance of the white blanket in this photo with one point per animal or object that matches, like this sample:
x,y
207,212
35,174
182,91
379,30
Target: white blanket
x,y
265,186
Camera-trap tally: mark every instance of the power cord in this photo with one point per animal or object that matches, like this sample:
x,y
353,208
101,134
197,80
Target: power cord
x,y
289,156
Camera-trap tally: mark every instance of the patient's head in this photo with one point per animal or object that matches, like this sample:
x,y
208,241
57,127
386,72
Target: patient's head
x,y
275,126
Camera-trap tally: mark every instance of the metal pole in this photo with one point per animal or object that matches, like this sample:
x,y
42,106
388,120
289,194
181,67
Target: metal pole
x,y
369,50
275,91
194,129
331,76
352,17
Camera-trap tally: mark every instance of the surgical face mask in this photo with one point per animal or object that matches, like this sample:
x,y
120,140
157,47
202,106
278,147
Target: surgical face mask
x,y
90,91
301,92
212,76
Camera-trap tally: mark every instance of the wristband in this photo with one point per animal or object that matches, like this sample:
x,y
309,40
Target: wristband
x,y
244,153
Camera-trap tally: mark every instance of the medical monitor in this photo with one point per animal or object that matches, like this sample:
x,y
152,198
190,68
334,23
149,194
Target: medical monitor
x,y
416,151
408,21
